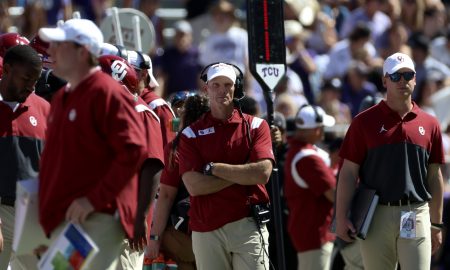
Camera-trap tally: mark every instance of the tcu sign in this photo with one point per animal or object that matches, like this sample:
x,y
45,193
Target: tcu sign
x,y
271,74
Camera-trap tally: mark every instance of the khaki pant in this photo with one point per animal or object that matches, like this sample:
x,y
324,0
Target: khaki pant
x,y
383,247
177,246
351,254
317,259
237,245
22,262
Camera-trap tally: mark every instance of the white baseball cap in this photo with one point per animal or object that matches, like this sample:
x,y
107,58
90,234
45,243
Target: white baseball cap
x,y
81,31
183,27
221,69
397,61
137,61
310,116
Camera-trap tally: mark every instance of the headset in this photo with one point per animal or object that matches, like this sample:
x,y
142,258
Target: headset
x,y
239,83
122,51
145,64
318,116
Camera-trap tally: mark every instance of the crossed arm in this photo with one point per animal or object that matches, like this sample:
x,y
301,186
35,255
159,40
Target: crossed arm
x,y
225,175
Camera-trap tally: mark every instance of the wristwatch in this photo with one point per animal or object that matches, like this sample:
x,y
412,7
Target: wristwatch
x,y
154,237
207,169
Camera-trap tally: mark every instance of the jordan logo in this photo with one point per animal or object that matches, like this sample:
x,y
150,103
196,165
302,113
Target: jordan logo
x,y
382,129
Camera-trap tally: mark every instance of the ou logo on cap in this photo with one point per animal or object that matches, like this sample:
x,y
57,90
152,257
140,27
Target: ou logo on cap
x,y
118,70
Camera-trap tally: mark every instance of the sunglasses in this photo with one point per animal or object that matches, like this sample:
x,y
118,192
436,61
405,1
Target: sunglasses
x,y
395,77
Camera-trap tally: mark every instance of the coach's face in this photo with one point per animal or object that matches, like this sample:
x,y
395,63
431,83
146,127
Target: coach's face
x,y
20,80
220,91
64,55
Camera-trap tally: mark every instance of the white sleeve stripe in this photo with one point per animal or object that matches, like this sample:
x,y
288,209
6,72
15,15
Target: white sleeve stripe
x,y
160,102
188,132
256,122
297,178
141,108
156,116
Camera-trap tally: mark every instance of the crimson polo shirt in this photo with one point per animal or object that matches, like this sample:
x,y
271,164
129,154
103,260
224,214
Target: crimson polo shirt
x,y
394,153
170,175
22,134
94,148
307,178
152,130
163,111
214,140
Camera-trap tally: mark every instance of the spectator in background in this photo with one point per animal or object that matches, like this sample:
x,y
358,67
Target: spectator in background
x,y
250,106
370,14
33,18
5,19
179,67
299,59
356,47
356,86
424,62
228,41
200,18
23,124
96,122
440,48
285,105
412,15
434,20
395,39
149,7
330,101
336,10
309,190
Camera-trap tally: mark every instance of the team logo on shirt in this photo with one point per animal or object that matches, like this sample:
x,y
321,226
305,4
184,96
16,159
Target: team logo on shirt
x,y
72,115
421,130
382,129
33,121
206,131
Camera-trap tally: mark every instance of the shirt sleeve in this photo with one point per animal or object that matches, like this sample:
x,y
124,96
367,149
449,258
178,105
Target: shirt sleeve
x,y
188,154
317,175
262,141
354,147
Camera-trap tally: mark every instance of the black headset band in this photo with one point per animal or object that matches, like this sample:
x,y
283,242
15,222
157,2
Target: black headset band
x,y
239,83
145,64
318,117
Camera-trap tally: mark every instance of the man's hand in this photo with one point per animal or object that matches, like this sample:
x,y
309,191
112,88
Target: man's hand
x,y
79,210
152,249
139,241
345,230
436,240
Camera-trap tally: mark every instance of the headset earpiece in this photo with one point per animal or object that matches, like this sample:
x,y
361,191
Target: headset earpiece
x,y
145,64
238,84
318,117
122,51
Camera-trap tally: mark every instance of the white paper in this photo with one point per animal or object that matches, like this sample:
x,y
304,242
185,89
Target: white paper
x,y
72,249
28,233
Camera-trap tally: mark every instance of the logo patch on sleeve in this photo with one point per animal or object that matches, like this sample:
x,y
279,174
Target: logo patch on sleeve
x,y
206,131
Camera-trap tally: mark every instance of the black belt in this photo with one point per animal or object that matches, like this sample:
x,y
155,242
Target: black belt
x,y
9,201
401,202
